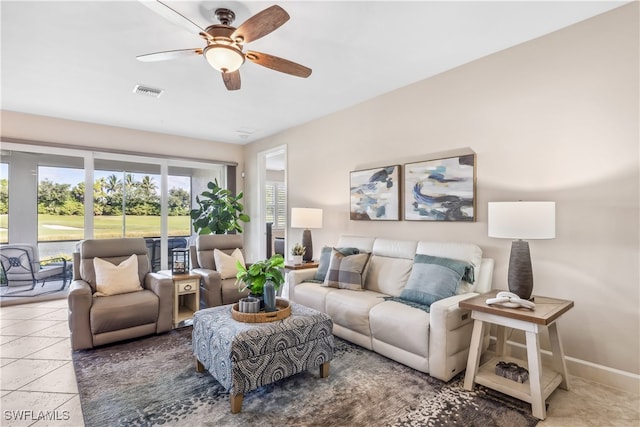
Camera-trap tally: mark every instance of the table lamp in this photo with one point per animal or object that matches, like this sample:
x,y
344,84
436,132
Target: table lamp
x,y
520,221
306,218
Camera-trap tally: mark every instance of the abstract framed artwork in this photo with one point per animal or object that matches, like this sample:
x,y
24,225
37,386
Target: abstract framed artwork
x,y
441,190
375,194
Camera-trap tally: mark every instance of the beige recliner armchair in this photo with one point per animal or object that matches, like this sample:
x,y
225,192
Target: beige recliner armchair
x,y
98,320
214,290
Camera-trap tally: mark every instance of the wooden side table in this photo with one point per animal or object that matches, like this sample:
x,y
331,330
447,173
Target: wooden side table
x,y
540,383
186,296
288,266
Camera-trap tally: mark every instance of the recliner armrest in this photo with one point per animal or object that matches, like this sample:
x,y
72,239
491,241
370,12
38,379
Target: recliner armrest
x,y
446,314
445,318
80,299
212,284
162,286
295,277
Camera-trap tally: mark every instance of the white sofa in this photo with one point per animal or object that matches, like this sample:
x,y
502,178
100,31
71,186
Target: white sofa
x,y
435,342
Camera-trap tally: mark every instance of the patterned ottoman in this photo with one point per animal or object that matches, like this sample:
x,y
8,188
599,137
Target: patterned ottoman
x,y
245,356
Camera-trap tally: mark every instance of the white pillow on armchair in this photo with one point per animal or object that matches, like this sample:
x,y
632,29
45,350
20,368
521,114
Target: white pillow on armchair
x,y
116,279
226,264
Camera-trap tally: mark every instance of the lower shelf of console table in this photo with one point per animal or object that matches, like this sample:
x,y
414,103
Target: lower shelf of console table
x,y
486,376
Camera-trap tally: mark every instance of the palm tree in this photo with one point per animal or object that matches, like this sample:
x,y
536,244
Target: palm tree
x,y
147,186
112,184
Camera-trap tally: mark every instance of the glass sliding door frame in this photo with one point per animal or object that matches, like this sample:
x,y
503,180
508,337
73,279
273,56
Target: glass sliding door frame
x,y
201,174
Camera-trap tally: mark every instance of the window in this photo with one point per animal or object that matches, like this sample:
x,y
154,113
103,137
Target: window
x,y
4,203
60,204
48,204
179,203
276,204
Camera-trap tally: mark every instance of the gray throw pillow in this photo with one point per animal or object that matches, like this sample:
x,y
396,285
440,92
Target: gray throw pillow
x,y
325,258
345,272
433,278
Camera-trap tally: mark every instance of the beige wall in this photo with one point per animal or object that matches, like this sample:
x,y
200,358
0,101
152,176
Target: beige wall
x,y
67,132
552,119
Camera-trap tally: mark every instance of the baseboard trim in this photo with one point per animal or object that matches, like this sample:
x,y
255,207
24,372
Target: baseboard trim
x,y
616,378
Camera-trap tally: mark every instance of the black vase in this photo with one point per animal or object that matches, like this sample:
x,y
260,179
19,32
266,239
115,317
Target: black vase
x,y
269,297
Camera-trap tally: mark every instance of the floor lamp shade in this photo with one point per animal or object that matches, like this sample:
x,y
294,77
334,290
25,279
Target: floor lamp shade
x,y
520,221
306,218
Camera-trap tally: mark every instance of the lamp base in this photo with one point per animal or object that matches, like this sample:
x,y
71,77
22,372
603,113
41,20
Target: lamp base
x,y
520,276
308,246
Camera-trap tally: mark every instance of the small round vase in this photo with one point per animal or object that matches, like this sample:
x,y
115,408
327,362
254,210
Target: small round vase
x,y
260,298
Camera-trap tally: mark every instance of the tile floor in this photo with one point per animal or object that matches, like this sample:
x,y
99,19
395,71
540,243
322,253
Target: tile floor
x,y
37,378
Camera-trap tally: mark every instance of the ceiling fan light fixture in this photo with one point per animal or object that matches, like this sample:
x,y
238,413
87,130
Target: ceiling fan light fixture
x,y
224,58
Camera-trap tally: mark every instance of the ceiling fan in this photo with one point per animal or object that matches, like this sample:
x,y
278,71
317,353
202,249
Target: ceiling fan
x,y
224,49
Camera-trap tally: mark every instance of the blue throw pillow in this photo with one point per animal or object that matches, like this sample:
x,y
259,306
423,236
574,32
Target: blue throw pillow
x,y
325,258
433,278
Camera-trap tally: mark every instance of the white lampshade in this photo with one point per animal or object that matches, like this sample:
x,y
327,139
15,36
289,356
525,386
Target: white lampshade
x,y
223,57
522,220
306,218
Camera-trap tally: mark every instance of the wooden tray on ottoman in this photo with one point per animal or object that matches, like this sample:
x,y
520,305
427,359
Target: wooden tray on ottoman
x,y
283,311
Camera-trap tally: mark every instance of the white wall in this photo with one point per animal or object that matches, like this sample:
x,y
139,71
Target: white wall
x,y
552,119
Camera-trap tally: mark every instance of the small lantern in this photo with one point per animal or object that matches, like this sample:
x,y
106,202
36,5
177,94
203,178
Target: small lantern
x,y
180,261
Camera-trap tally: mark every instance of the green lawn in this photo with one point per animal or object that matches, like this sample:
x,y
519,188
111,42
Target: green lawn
x,y
4,236
71,227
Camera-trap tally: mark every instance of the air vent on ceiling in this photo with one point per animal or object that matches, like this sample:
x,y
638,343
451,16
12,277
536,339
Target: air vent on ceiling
x,y
147,91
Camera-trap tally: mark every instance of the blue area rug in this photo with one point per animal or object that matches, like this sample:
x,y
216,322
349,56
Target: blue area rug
x,y
152,381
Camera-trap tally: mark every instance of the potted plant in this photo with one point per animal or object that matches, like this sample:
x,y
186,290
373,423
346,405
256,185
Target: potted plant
x,y
218,211
257,274
297,252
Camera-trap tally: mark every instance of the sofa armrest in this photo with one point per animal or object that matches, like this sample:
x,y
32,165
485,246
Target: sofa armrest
x,y
79,300
210,287
449,337
162,286
295,277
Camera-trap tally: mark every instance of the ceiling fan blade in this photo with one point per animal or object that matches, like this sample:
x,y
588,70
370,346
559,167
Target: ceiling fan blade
x,y
169,55
261,24
278,64
172,15
231,80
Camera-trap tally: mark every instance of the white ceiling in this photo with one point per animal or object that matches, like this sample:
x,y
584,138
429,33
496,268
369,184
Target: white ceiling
x,y
77,59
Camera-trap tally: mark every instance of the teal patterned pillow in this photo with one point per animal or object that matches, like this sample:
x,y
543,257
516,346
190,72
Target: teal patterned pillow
x,y
433,278
325,258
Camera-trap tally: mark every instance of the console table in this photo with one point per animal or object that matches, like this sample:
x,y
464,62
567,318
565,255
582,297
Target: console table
x,y
288,266
541,382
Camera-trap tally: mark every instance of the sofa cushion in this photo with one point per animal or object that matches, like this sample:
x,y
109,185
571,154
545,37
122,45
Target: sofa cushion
x,y
312,295
231,292
124,311
226,264
114,279
433,278
325,259
351,309
388,275
345,271
401,326
365,244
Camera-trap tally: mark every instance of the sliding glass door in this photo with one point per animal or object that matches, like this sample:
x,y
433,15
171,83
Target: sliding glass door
x,y
42,196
